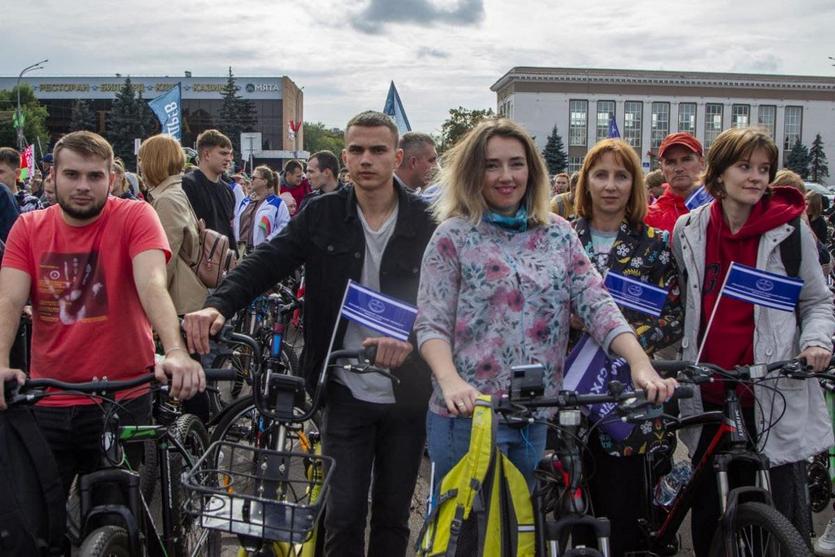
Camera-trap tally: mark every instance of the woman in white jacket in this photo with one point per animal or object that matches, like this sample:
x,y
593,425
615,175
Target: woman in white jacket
x,y
263,214
746,224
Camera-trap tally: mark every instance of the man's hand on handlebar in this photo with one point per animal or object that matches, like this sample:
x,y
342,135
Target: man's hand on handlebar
x,y
816,358
8,374
199,326
186,375
391,353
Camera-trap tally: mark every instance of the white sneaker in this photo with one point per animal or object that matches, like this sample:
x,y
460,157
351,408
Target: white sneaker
x,y
825,544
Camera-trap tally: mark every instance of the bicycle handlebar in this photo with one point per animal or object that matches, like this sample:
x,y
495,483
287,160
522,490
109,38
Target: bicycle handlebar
x,y
703,372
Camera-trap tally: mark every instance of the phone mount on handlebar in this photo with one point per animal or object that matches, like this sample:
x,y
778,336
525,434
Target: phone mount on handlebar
x,y
527,382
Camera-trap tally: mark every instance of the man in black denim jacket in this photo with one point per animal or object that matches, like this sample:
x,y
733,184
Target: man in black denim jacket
x,y
331,238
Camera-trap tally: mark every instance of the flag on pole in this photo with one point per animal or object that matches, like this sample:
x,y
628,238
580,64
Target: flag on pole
x,y
635,294
698,198
168,108
614,132
27,163
378,312
394,108
762,288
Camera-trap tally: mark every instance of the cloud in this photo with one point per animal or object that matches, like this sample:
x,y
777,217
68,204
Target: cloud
x,y
417,12
427,52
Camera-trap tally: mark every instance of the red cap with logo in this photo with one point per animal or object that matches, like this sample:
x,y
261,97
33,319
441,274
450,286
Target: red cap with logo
x,y
684,139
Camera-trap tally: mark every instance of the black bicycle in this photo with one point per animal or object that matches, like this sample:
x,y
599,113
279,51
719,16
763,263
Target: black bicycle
x,y
560,498
114,516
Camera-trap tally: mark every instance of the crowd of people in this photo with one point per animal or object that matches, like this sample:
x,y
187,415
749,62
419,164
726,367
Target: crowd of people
x,y
504,263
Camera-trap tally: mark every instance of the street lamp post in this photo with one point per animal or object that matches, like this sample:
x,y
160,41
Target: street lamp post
x,y
21,141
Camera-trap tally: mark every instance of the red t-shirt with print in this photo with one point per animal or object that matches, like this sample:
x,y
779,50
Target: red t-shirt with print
x,y
87,320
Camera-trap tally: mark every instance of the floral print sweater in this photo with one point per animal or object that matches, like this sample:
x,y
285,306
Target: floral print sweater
x,y
502,298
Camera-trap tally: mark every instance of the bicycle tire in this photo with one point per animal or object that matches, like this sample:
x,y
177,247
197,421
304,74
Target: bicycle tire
x,y
149,471
107,541
190,431
777,536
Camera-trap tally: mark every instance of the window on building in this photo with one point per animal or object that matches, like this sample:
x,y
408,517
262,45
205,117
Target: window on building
x,y
767,118
575,164
660,123
740,116
605,112
793,126
632,117
578,123
687,117
713,122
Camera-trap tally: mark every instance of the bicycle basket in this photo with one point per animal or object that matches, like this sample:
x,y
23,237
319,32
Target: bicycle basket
x,y
265,494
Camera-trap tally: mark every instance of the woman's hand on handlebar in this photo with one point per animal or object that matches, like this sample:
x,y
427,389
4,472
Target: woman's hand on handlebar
x,y
459,396
186,375
8,374
657,390
816,358
199,326
391,353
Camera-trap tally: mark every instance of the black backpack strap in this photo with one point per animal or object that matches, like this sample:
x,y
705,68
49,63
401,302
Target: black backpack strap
x,y
790,250
54,498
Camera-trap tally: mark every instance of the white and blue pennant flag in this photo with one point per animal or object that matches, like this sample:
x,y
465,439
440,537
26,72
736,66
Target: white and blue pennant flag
x,y
698,198
614,132
762,288
168,108
394,108
386,315
635,294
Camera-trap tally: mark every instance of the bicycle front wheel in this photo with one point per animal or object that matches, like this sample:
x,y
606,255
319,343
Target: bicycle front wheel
x,y
191,433
760,531
107,541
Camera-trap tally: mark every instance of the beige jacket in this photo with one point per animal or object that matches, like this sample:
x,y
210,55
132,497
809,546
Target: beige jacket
x,y
180,224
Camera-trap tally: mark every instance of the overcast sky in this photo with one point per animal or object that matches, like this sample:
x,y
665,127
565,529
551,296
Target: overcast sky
x,y
440,53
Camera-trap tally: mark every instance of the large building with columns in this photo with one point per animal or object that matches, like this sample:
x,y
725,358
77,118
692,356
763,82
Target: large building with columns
x,y
647,105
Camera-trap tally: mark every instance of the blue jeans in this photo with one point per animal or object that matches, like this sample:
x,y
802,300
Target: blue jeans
x,y
449,439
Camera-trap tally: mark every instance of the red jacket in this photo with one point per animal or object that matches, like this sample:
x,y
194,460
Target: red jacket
x,y
664,213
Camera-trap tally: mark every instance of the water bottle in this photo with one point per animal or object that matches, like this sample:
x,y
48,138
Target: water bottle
x,y
669,485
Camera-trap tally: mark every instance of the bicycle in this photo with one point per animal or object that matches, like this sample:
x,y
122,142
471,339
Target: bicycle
x,y
264,478
126,527
265,317
749,523
560,489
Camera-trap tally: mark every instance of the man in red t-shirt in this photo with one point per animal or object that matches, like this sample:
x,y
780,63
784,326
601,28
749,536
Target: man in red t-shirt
x,y
295,183
94,268
682,163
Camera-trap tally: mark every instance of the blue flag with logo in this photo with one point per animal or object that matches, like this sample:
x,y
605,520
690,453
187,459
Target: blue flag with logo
x,y
614,132
168,108
635,294
394,108
762,288
588,370
698,198
384,314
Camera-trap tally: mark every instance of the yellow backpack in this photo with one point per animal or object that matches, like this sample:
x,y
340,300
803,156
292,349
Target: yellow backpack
x,y
486,487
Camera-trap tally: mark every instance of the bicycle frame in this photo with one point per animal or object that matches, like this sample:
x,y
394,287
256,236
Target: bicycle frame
x,y
729,444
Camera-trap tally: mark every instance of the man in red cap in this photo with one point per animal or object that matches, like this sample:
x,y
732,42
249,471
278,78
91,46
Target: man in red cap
x,y
682,163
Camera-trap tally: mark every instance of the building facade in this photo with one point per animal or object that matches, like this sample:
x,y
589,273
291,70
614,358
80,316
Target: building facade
x,y
648,105
277,101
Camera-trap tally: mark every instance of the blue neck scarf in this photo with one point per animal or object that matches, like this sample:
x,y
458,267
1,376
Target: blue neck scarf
x,y
516,223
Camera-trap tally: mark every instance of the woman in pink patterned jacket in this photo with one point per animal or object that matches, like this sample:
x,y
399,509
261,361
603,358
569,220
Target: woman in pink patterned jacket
x,y
499,280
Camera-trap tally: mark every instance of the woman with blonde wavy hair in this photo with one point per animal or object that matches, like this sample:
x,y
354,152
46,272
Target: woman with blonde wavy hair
x,y
500,278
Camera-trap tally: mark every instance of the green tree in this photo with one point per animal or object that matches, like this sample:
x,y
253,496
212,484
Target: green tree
x,y
798,159
128,120
34,117
554,153
818,167
460,121
317,137
82,116
237,114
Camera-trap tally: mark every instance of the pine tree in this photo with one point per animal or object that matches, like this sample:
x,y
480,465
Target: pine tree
x,y
125,123
554,153
798,160
82,116
818,167
237,114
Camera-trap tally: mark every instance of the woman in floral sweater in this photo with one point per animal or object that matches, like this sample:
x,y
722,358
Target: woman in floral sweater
x,y
611,205
500,278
